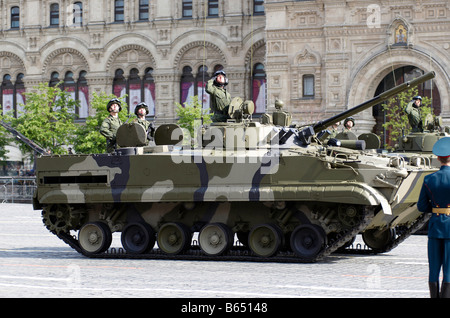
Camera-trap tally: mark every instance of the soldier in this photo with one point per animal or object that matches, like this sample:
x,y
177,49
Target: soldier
x,y
111,124
220,98
414,114
349,123
334,129
141,111
434,198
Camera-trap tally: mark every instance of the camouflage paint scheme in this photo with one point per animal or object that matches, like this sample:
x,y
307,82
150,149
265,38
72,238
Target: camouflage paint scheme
x,y
240,188
305,182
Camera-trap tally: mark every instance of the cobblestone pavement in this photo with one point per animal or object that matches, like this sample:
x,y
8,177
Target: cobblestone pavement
x,y
36,264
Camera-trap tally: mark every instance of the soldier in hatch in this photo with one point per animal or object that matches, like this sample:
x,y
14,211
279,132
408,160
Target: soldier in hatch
x,y
111,123
349,123
141,111
414,114
220,97
334,129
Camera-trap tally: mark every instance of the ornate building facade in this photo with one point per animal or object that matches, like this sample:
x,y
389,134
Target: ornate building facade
x,y
156,51
326,56
319,56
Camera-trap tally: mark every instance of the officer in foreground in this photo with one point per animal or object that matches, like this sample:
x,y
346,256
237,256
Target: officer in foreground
x,y
434,198
111,123
414,114
220,97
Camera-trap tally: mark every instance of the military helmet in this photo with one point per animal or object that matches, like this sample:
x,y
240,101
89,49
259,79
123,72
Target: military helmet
x,y
279,104
349,119
217,73
114,101
139,106
220,72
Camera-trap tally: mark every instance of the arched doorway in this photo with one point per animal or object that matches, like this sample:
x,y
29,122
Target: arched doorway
x,y
396,77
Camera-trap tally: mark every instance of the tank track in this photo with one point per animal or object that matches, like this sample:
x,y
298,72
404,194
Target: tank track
x,y
236,253
405,233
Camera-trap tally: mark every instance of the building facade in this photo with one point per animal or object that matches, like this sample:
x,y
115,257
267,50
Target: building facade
x,y
326,56
320,57
156,51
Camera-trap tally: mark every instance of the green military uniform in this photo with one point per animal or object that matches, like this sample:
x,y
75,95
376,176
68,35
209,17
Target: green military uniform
x,y
149,129
219,102
109,130
414,115
333,133
145,123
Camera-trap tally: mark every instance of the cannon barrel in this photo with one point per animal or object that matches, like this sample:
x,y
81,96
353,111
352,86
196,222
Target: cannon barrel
x,y
24,139
321,125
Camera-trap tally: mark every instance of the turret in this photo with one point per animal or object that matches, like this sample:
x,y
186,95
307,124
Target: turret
x,y
306,133
321,125
244,133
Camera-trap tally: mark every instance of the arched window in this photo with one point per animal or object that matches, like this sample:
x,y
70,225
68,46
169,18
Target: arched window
x,y
19,95
54,79
134,84
191,86
83,95
15,17
202,78
12,95
186,84
54,14
7,92
259,88
119,83
149,91
138,89
69,84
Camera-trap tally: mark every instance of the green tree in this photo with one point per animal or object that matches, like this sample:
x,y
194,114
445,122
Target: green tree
x,y
397,123
192,115
88,138
47,118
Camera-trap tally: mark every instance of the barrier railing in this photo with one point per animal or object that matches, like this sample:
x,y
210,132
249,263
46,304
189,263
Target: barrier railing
x,y
17,189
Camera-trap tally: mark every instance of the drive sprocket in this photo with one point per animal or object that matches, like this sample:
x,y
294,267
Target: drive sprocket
x,y
59,218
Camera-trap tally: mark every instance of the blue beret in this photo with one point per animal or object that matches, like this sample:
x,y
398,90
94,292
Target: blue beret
x,y
442,147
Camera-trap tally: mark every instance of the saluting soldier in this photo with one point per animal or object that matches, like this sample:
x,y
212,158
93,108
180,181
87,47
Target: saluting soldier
x,y
434,198
111,123
220,97
414,114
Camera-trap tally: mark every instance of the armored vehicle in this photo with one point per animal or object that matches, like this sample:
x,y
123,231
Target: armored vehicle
x,y
416,147
280,191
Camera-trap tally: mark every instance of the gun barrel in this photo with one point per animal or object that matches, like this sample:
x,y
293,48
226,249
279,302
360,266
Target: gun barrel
x,y
24,139
321,125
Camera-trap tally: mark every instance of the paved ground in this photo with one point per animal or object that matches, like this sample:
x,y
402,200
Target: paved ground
x,y
36,264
